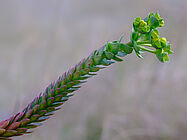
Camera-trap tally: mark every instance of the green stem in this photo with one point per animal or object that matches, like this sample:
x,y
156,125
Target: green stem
x,y
146,49
143,42
141,47
148,45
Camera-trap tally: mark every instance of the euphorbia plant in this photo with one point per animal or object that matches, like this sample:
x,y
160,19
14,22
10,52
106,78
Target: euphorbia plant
x,y
144,38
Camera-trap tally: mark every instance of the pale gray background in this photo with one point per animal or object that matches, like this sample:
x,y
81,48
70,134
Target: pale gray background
x,y
134,100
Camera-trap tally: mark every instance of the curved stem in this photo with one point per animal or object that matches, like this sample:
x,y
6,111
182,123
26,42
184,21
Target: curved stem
x,y
146,49
143,42
148,45
141,47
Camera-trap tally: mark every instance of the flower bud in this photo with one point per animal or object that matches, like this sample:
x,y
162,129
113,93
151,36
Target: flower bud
x,y
161,23
137,21
163,41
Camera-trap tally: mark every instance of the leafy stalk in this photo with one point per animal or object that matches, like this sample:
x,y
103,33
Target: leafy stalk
x,y
58,92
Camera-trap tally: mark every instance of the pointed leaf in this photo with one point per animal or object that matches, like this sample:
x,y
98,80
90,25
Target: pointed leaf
x,y
9,133
34,117
50,101
117,59
4,124
21,130
24,122
13,126
2,131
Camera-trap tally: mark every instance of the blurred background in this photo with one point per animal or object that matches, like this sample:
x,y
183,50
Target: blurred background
x,y
134,100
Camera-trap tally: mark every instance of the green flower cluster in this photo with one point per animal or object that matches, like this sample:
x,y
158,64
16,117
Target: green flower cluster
x,y
141,26
163,48
145,34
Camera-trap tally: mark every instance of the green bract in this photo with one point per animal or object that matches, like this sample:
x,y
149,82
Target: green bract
x,y
145,35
